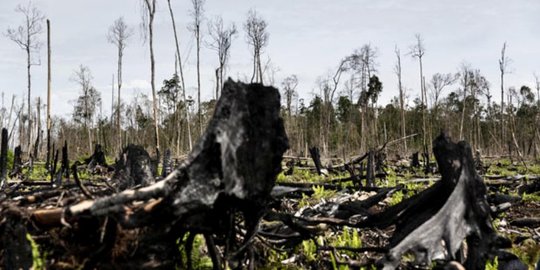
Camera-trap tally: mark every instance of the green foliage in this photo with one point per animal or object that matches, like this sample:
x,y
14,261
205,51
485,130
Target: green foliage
x,y
493,265
37,258
200,260
10,157
348,237
309,250
534,197
281,177
528,252
396,198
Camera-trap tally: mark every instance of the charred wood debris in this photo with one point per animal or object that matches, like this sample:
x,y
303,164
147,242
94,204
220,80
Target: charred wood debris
x,y
226,192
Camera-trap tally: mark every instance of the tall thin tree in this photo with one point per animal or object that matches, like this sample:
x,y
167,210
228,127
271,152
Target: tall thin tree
x,y
417,51
27,37
197,14
180,69
118,35
257,38
221,42
504,61
397,70
148,21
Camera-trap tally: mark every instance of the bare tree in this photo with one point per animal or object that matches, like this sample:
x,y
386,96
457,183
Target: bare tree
x,y
27,37
504,61
257,37
397,70
197,14
86,105
289,90
148,21
118,35
417,51
221,42
438,83
179,63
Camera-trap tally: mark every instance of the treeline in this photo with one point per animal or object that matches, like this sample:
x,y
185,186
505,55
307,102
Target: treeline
x,y
343,118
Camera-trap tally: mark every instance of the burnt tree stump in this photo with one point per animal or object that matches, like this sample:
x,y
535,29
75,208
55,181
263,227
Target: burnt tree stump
x,y
438,220
316,157
133,168
229,175
97,158
16,170
3,157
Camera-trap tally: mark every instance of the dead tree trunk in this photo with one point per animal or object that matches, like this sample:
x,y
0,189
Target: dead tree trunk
x,y
316,156
64,169
17,162
3,158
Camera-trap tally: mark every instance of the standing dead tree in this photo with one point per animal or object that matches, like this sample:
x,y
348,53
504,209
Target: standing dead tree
x,y
504,61
49,71
417,51
397,70
118,35
222,38
181,71
197,13
26,36
148,21
87,103
257,38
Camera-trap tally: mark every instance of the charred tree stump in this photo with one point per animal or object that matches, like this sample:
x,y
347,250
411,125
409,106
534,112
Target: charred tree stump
x,y
167,163
64,168
427,164
134,167
370,169
97,158
3,157
16,249
437,220
316,156
228,175
17,162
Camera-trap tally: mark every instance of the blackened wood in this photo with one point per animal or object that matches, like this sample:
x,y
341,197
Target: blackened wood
x,y
531,222
133,168
97,158
228,176
84,190
54,167
17,162
167,163
316,156
64,169
450,211
17,251
3,157
370,169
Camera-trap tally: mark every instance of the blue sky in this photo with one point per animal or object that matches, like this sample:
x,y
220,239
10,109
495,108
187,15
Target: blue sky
x,y
307,38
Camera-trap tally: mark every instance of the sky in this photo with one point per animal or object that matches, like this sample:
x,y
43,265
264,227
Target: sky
x,y
307,38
